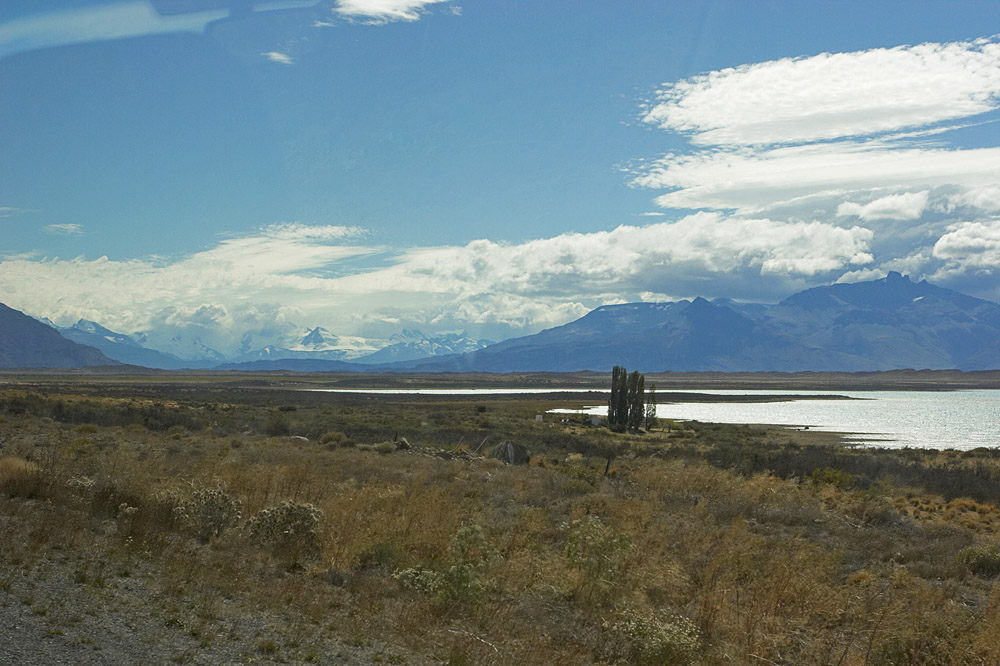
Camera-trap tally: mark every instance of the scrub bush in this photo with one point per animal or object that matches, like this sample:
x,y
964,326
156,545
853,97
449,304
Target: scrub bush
x,y
208,513
654,639
291,531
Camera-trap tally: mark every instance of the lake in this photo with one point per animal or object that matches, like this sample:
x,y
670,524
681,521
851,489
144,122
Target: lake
x,y
924,419
458,391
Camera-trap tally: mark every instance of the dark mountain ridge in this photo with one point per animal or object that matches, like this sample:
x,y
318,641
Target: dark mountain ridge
x,y
28,343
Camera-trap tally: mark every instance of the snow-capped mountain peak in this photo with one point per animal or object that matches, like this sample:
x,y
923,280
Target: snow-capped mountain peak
x,y
94,328
319,339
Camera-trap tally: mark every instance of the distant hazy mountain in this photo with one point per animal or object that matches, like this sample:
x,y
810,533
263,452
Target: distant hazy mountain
x,y
405,349
28,343
121,347
879,325
410,345
189,348
310,343
295,365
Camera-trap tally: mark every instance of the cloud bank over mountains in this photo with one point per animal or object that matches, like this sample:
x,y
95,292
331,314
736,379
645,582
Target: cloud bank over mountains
x,y
798,172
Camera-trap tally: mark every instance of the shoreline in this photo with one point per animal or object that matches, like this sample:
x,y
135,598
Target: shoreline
x,y
887,380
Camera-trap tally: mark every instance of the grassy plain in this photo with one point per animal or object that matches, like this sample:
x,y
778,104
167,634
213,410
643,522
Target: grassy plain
x,y
236,521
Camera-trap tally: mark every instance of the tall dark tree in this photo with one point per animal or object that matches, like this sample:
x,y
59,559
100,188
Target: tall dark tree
x,y
618,405
636,395
626,407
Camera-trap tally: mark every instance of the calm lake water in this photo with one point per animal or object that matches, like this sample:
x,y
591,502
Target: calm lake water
x,y
925,419
456,391
940,420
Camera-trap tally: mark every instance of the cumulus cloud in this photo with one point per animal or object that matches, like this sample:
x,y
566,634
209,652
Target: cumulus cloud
x,y
904,206
981,198
384,11
971,244
625,259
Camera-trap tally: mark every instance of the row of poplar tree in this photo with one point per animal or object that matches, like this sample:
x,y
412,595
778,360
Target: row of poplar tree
x,y
631,406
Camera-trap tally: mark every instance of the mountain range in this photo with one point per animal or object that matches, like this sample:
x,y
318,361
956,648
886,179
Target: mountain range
x,y
27,343
884,324
121,347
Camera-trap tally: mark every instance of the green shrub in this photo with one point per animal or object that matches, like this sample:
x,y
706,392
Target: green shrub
x,y
385,448
982,561
833,477
599,553
335,438
469,552
469,546
277,426
381,554
583,473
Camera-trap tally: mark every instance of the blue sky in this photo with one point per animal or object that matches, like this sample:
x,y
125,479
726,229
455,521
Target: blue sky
x,y
498,167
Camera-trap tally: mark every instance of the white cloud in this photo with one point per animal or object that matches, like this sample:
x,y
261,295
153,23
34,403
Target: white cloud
x,y
384,11
70,229
7,211
904,206
750,181
279,58
846,137
967,258
509,287
276,265
862,275
299,231
18,256
982,198
831,96
971,244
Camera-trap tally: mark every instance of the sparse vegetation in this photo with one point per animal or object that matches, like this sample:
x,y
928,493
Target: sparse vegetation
x,y
700,544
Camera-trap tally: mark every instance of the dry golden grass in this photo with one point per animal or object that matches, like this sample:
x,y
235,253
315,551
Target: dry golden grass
x,y
667,559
